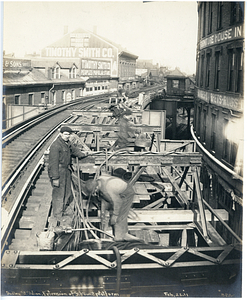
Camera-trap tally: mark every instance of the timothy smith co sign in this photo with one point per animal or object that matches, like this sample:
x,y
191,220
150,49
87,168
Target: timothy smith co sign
x,y
98,56
222,36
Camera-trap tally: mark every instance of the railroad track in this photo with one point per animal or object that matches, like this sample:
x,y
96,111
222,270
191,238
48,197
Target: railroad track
x,y
22,162
23,147
18,143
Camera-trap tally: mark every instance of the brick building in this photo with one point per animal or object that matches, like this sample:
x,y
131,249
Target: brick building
x,y
104,64
218,121
81,63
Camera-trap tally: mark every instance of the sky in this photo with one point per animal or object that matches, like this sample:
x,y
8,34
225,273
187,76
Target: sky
x,y
164,31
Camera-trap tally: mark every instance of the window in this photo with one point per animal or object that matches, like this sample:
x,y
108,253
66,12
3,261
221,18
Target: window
x,y
233,154
219,15
204,19
226,143
237,12
204,125
95,88
230,148
54,97
199,121
210,17
175,83
217,70
230,78
42,97
73,72
56,72
213,133
202,70
17,99
208,69
30,99
87,89
239,70
86,42
63,96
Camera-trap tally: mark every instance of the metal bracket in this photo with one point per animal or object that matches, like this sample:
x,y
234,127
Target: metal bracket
x,y
127,254
176,256
102,260
9,259
153,258
202,255
224,254
70,258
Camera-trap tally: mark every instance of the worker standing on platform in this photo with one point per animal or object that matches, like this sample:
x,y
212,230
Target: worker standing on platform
x,y
59,171
127,132
118,196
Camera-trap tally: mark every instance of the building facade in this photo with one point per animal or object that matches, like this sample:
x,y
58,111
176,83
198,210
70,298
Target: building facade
x,y
218,122
81,63
102,63
29,85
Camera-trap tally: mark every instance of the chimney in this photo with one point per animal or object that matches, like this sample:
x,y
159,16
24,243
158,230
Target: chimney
x,y
95,29
66,29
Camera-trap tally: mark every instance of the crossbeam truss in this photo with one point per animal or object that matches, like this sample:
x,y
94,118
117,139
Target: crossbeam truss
x,y
140,258
167,164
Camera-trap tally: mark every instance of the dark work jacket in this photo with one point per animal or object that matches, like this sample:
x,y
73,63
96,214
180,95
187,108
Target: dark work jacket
x,y
60,156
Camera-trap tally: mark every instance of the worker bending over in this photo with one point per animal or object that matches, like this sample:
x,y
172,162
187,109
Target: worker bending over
x,y
118,196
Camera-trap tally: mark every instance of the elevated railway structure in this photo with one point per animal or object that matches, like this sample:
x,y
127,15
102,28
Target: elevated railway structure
x,y
180,247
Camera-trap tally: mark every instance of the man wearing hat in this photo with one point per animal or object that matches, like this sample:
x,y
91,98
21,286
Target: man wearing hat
x,y
59,171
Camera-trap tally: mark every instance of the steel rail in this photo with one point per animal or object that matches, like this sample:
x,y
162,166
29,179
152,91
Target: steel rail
x,y
6,229
28,157
26,124
24,161
218,162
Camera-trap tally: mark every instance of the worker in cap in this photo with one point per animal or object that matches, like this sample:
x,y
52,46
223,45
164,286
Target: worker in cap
x,y
59,171
116,195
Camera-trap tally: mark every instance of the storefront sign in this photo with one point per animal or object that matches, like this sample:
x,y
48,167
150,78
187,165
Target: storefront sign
x,y
16,64
230,102
222,36
95,68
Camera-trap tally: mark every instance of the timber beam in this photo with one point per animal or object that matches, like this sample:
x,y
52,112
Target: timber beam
x,y
151,159
109,128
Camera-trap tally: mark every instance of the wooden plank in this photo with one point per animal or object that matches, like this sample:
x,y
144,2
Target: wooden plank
x,y
183,197
22,234
170,216
136,199
110,127
216,239
141,191
149,187
89,139
27,221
